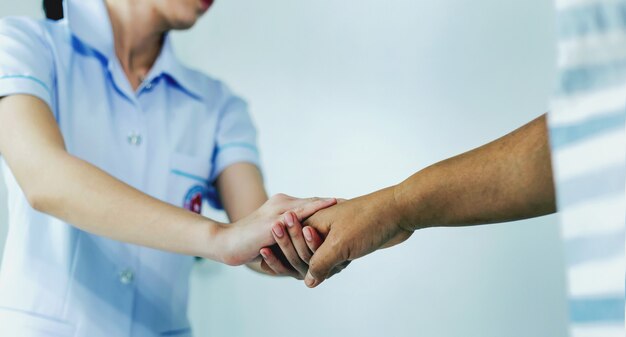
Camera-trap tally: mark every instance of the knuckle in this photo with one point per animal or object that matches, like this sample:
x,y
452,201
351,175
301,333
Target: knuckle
x,y
284,243
277,266
233,261
295,232
305,255
271,261
335,242
278,197
297,263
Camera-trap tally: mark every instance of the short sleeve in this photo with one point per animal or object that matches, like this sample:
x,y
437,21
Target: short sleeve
x,y
236,137
26,64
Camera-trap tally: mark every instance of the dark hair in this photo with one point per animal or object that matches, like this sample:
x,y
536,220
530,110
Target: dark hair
x,y
53,9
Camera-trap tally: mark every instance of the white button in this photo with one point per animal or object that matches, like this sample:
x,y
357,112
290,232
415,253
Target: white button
x,y
134,139
127,276
149,86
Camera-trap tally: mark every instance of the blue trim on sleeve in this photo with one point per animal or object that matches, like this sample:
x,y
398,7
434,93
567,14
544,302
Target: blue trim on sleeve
x,y
239,144
36,80
189,175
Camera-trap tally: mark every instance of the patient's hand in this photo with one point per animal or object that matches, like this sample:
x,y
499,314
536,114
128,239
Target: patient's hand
x,y
293,250
353,229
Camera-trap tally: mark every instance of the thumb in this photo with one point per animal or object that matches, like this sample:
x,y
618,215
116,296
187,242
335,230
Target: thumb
x,y
325,259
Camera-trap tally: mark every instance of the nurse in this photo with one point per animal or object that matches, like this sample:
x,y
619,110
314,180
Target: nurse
x,y
105,137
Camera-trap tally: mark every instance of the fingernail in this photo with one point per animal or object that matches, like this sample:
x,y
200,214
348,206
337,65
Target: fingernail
x,y
307,234
278,230
289,219
264,254
309,280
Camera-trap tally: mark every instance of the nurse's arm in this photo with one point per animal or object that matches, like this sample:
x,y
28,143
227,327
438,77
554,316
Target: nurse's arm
x,y
241,191
59,184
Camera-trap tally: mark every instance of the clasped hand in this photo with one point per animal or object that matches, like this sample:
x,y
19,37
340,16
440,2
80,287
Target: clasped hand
x,y
333,236
313,239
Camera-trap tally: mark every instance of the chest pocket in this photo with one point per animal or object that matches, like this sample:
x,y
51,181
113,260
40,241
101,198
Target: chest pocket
x,y
188,181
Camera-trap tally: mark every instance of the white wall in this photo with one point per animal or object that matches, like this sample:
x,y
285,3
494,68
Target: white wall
x,y
354,95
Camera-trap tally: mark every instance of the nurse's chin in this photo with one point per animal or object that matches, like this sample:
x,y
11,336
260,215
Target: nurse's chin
x,y
182,23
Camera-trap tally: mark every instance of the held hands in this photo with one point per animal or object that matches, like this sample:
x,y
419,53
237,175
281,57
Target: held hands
x,y
351,229
242,241
293,250
331,238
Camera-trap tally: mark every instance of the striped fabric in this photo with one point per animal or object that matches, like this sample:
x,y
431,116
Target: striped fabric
x,y
588,135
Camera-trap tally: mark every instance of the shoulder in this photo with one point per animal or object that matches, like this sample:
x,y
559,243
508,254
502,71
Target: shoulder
x,y
29,31
19,26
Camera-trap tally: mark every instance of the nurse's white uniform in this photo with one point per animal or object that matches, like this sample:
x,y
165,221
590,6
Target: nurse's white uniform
x,y
170,139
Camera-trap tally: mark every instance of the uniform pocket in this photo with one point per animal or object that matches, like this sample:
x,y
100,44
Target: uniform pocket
x,y
188,181
186,332
26,324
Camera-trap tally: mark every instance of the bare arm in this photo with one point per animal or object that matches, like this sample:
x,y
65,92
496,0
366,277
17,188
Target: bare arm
x,y
508,179
87,197
80,193
241,190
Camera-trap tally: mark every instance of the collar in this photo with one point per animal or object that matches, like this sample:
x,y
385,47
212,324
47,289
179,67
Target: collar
x,y
89,22
168,65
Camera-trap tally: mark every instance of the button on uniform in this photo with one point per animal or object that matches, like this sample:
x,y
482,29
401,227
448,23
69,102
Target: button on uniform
x,y
127,276
134,139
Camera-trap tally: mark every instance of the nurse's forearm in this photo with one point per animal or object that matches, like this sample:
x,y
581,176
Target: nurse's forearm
x,y
68,188
241,190
90,199
508,179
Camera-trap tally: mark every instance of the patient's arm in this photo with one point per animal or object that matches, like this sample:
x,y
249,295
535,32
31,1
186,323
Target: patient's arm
x,y
507,179
64,186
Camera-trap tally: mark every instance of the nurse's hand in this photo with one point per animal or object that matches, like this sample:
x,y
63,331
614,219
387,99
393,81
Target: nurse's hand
x,y
293,250
241,242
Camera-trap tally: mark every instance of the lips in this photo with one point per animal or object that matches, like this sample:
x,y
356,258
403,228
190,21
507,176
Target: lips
x,y
206,4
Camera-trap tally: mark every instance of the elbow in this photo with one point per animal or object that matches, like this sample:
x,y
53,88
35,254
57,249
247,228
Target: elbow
x,y
38,199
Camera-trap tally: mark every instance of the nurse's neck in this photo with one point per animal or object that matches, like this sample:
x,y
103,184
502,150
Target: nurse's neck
x,y
138,34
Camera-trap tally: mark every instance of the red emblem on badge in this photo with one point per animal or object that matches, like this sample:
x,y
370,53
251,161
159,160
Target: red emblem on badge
x,y
193,199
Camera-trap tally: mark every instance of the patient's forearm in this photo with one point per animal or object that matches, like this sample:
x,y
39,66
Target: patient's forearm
x,y
508,179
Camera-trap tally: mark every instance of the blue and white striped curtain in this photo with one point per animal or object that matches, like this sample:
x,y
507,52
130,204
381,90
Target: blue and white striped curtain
x,y
588,135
